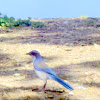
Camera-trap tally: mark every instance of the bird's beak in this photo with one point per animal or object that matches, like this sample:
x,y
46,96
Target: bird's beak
x,y
27,53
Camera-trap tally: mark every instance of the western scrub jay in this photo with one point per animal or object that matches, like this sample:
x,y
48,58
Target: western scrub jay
x,y
44,73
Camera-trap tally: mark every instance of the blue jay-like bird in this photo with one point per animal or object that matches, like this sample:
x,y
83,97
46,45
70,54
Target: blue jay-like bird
x,y
44,73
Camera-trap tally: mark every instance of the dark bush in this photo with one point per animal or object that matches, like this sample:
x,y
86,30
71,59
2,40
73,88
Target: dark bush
x,y
21,22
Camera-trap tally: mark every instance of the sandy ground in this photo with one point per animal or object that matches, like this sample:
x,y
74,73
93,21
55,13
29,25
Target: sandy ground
x,y
76,59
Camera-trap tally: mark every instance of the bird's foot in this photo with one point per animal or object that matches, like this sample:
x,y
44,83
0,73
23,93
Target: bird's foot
x,y
38,90
35,89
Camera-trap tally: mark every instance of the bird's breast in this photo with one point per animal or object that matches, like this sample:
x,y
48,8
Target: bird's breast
x,y
41,75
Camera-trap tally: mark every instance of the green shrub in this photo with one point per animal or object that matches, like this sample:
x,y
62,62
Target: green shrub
x,y
37,24
91,22
7,22
11,22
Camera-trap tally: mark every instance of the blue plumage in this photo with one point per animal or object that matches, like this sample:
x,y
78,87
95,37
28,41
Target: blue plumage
x,y
62,82
44,73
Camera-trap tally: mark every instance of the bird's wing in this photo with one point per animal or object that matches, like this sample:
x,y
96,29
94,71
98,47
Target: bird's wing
x,y
41,66
49,71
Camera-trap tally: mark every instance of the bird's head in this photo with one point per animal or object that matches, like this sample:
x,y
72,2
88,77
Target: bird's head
x,y
34,53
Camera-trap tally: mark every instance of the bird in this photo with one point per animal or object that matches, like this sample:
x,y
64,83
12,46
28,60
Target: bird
x,y
44,72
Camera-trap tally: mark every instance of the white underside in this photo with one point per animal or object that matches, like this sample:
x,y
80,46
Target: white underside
x,y
42,75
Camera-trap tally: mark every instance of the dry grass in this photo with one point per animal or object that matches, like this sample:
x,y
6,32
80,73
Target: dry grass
x,y
78,64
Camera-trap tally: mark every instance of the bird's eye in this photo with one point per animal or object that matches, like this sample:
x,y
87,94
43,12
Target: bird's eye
x,y
32,53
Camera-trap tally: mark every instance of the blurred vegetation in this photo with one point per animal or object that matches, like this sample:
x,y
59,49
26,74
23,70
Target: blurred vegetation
x,y
37,24
6,21
91,22
83,16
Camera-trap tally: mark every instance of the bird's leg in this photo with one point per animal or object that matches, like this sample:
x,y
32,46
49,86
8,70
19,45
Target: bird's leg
x,y
44,86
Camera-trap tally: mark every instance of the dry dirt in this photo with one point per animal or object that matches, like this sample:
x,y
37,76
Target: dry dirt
x,y
71,47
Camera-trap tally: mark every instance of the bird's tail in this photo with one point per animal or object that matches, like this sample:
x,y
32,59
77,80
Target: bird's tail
x,y
62,82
